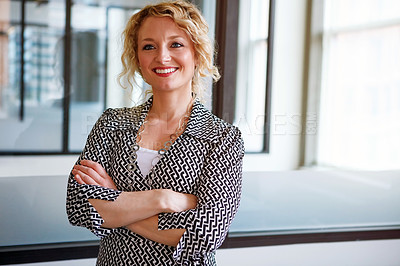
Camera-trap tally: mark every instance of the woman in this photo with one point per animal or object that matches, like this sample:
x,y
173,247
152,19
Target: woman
x,y
160,183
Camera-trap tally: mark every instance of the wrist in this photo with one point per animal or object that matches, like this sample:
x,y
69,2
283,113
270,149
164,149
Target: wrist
x,y
160,198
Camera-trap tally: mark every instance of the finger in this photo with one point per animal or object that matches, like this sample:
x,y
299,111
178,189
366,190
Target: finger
x,y
79,179
86,179
106,180
89,172
95,166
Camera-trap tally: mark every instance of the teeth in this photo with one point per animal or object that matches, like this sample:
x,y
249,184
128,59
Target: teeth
x,y
165,71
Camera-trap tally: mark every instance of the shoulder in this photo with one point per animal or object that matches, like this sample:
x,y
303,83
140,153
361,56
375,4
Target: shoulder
x,y
230,136
224,128
206,125
121,118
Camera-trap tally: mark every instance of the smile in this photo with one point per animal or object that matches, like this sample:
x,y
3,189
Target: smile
x,y
165,70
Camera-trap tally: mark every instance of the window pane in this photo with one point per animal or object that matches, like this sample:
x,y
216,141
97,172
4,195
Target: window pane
x,y
345,13
29,117
95,63
360,99
88,54
251,78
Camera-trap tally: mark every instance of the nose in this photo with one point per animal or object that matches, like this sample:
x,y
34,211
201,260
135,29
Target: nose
x,y
163,55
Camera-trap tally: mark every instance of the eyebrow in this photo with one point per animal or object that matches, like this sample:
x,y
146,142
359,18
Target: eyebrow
x,y
169,38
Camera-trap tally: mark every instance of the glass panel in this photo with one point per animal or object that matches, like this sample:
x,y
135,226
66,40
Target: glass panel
x,y
251,78
29,117
360,97
95,59
318,201
88,53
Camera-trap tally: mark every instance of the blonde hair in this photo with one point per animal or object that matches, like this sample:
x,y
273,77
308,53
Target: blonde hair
x,y
188,18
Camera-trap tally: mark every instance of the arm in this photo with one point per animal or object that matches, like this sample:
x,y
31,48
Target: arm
x,y
80,211
148,228
129,207
92,194
93,200
219,198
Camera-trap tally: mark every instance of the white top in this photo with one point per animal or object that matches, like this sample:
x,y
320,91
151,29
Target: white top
x,y
146,159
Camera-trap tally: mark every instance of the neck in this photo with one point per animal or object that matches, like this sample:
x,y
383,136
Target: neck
x,y
170,106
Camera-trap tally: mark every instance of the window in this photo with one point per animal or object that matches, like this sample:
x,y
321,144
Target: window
x,y
67,55
254,60
31,88
95,64
60,61
359,123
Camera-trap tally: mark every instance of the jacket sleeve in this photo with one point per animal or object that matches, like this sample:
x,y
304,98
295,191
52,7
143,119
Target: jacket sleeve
x,y
79,210
218,200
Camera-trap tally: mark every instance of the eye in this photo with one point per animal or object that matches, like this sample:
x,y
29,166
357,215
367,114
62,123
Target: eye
x,y
148,47
176,45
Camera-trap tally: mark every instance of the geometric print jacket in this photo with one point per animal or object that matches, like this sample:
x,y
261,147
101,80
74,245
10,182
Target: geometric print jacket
x,y
205,160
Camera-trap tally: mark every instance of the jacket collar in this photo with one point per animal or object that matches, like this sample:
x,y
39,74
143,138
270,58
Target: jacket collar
x,y
202,123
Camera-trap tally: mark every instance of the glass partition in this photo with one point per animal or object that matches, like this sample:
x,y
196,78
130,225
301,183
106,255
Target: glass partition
x,y
31,88
295,202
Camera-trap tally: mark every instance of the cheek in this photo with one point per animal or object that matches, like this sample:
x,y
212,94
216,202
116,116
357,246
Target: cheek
x,y
144,59
141,60
189,60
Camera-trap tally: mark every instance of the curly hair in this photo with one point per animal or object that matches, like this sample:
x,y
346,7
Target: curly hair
x,y
188,18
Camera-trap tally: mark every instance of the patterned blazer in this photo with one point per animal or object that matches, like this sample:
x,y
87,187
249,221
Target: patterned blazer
x,y
206,160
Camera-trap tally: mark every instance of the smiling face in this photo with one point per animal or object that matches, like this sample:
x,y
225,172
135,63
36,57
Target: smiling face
x,y
166,55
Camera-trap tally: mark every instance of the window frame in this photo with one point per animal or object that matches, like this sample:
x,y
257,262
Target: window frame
x,y
223,92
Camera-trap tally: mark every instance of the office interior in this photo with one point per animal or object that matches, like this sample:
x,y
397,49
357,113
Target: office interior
x,y
313,85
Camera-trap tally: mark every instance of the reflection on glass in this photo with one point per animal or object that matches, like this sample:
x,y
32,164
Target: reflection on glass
x,y
29,111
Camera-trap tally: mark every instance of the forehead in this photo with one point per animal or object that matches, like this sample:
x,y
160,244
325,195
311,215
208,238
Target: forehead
x,y
153,27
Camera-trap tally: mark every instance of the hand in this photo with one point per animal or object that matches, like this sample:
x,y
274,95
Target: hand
x,y
177,202
148,228
92,173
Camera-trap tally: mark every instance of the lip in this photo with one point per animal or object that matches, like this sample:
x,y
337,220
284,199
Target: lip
x,y
165,71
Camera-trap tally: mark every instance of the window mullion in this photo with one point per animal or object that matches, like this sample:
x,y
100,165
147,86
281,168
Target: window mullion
x,y
268,83
67,76
22,70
